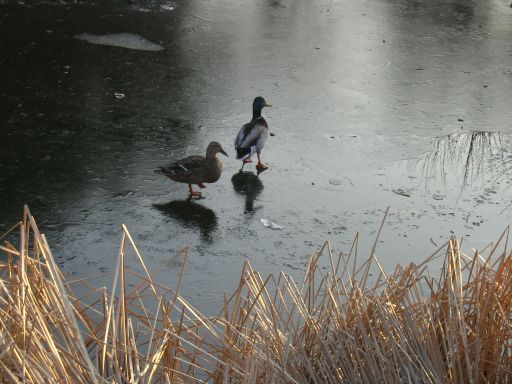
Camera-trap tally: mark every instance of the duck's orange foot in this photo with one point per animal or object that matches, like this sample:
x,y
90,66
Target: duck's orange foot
x,y
260,167
195,195
247,161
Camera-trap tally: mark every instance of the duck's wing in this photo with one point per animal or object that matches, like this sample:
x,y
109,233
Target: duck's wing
x,y
183,167
242,134
250,134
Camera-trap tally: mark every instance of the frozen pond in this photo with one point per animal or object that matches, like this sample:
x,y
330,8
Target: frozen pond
x,y
376,103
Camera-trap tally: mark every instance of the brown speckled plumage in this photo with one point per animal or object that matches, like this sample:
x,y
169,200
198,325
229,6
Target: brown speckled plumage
x,y
196,169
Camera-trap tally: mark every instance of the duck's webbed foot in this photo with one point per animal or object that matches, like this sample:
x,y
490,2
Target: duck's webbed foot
x,y
193,194
245,161
260,167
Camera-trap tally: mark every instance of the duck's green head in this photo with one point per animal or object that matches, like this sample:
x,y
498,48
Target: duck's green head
x,y
258,105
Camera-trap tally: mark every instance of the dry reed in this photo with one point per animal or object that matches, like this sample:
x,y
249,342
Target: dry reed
x,y
335,327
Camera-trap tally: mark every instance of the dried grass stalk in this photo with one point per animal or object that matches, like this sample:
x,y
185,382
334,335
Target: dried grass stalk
x,y
335,327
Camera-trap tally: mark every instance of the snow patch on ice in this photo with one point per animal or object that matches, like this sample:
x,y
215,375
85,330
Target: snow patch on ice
x,y
124,40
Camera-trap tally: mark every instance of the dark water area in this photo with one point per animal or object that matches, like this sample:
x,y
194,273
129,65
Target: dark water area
x,y
401,104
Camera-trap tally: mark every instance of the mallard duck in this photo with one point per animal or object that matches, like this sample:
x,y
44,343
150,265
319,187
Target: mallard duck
x,y
196,169
253,135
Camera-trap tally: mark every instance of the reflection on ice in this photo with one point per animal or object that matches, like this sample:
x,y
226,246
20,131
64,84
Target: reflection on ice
x,y
248,184
191,214
469,157
124,40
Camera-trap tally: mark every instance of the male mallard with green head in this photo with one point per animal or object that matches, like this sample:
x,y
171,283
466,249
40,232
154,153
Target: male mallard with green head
x,y
196,169
253,135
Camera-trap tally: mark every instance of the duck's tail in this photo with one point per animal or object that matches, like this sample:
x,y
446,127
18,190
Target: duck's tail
x,y
244,153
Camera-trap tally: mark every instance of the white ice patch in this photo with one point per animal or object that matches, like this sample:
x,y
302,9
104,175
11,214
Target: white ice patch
x,y
153,5
124,40
270,224
168,6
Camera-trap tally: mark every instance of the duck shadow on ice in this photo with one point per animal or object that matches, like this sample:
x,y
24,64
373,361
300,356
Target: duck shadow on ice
x,y
192,215
249,185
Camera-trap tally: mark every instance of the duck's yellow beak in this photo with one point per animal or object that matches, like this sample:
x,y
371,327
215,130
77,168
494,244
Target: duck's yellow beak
x,y
267,104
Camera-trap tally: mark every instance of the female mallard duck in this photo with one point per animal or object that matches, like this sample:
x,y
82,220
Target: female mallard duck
x,y
196,169
252,136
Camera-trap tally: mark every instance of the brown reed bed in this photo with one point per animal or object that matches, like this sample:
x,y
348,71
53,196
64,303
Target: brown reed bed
x,y
406,327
